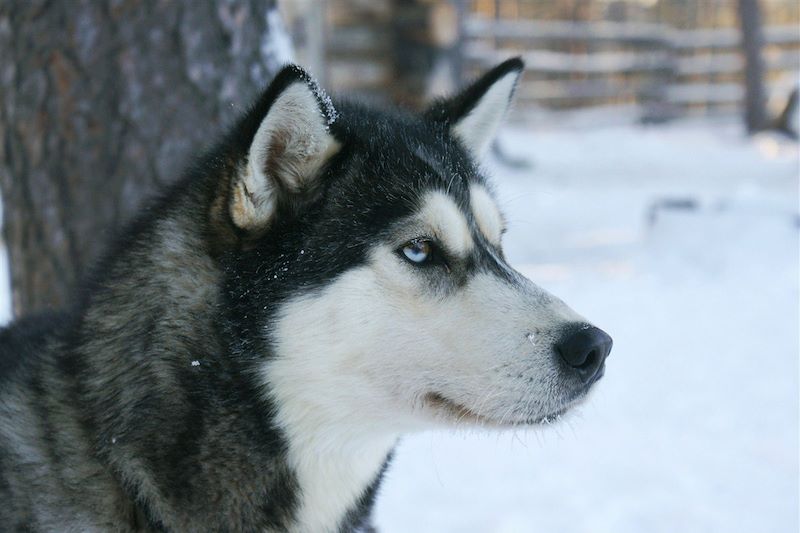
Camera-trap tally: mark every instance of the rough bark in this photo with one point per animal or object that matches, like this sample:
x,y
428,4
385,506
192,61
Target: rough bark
x,y
101,104
755,111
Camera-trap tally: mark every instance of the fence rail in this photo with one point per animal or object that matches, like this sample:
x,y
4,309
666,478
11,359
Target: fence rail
x,y
633,33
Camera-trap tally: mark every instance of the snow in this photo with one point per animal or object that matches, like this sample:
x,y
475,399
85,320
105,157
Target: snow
x,y
695,425
327,109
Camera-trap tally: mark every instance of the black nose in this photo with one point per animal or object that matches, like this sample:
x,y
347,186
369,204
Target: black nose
x,y
585,350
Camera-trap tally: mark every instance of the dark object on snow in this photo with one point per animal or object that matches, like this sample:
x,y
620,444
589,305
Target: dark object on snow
x,y
787,121
669,204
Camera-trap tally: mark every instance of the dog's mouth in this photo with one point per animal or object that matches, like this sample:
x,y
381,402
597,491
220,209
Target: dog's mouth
x,y
459,413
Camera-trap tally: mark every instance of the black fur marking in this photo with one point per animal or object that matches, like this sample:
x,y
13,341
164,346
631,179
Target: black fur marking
x,y
358,518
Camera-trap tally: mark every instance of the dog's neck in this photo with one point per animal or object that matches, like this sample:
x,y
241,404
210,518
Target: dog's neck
x,y
337,487
337,454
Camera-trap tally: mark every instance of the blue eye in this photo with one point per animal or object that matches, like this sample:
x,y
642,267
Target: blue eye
x,y
418,251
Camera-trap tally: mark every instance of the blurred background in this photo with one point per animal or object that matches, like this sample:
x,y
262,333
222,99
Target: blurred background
x,y
652,59
649,172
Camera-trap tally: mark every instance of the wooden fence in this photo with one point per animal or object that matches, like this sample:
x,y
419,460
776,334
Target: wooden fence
x,y
664,71
657,70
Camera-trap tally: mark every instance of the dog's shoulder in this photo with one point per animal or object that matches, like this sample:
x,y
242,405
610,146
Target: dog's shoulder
x,y
23,340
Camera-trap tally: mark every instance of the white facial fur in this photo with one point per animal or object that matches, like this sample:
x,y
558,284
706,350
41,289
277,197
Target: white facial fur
x,y
487,216
293,140
477,129
355,363
443,220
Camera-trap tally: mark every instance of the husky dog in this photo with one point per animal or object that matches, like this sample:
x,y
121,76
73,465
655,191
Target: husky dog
x,y
324,280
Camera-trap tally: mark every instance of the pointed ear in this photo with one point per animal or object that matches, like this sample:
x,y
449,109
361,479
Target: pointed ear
x,y
475,114
288,151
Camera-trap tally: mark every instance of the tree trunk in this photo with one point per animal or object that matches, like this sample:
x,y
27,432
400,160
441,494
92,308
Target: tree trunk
x,y
752,43
103,103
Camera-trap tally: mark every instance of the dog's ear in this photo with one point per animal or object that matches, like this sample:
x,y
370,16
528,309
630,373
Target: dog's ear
x,y
288,150
475,114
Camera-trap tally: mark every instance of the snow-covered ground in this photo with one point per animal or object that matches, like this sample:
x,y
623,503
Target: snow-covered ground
x,y
694,428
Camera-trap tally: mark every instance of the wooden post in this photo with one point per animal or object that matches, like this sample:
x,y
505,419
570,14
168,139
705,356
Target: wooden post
x,y
427,49
752,43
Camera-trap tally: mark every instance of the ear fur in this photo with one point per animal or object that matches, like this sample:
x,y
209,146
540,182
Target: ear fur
x,y
475,114
287,151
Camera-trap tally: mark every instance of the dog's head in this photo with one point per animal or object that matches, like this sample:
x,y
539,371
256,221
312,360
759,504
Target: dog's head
x,y
370,277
